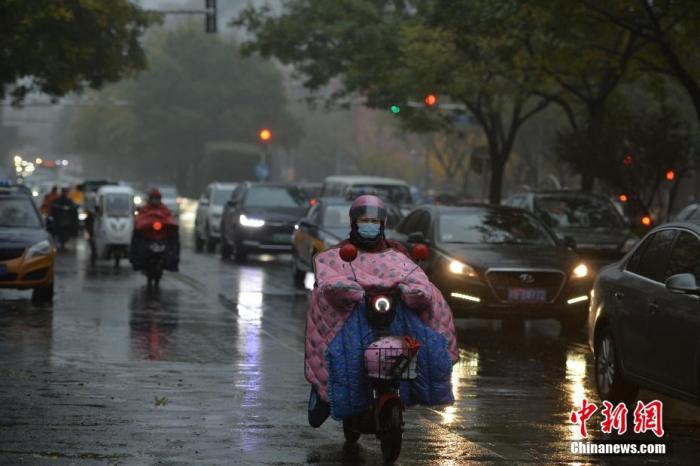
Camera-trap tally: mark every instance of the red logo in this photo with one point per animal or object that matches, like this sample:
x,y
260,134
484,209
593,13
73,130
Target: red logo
x,y
647,417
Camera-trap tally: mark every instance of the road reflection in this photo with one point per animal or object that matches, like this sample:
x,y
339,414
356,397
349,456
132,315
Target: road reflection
x,y
153,321
249,297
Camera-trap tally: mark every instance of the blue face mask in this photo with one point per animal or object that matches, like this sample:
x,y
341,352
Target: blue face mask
x,y
368,230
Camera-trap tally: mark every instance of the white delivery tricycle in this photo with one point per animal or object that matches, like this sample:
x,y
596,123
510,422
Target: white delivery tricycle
x,y
114,223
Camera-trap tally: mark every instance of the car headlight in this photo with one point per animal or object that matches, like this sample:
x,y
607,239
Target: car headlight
x,y
460,268
82,216
42,248
628,245
580,271
138,200
251,222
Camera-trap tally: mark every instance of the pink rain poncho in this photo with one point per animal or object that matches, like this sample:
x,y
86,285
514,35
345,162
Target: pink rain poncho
x,y
338,291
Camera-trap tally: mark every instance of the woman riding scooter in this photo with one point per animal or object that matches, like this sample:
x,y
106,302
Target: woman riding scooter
x,y
341,328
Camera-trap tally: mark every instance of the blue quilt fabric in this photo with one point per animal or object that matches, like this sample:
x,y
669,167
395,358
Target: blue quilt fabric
x,y
349,391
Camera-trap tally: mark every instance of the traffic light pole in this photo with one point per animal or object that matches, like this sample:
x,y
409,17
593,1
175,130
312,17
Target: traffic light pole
x,y
209,13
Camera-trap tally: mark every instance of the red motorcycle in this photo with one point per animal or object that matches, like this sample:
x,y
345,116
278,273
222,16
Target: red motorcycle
x,y
155,246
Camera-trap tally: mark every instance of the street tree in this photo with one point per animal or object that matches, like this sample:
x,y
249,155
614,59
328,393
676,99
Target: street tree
x,y
197,89
57,47
586,61
672,29
392,53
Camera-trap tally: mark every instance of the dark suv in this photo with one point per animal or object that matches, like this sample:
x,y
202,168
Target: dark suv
x,y
589,221
260,218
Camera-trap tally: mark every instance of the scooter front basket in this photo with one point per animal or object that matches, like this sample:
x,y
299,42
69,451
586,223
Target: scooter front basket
x,y
392,358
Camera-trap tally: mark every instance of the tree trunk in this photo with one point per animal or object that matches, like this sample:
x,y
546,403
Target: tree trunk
x,y
496,185
596,117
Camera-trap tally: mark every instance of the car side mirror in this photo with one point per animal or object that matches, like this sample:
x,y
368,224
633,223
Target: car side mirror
x,y
204,201
231,203
98,210
417,237
683,283
569,242
306,223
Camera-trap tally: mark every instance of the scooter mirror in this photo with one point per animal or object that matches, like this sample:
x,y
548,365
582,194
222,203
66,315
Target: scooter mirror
x,y
348,253
420,252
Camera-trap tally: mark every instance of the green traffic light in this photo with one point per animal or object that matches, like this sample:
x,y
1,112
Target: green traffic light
x,y
395,109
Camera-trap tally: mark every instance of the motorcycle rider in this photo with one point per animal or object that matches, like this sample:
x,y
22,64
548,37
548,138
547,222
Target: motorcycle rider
x,y
368,216
338,293
64,214
155,207
48,199
154,203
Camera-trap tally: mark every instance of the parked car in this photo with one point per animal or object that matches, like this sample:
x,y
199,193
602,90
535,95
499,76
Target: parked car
x,y
260,218
644,319
208,218
390,190
690,213
325,224
27,251
499,262
587,221
169,197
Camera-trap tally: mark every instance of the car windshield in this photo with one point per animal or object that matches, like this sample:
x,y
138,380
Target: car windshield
x,y
18,213
221,195
336,216
578,212
396,194
492,227
168,191
273,196
118,205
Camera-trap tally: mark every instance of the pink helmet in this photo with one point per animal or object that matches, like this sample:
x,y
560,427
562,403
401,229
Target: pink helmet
x,y
367,205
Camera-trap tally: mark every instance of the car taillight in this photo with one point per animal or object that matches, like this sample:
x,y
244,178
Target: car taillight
x,y
646,221
157,226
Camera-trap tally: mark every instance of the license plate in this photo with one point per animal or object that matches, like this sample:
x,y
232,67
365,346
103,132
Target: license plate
x,y
155,247
3,270
283,238
528,295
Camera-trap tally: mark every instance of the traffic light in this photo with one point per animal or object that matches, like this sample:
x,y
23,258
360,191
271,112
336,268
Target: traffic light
x,y
627,161
623,198
210,19
430,100
670,175
646,221
395,109
265,135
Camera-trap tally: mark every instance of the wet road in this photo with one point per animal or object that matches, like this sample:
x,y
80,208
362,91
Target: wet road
x,y
209,371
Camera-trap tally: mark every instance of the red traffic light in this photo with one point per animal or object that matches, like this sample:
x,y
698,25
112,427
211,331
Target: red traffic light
x,y
430,100
157,226
670,175
265,135
627,161
623,198
646,221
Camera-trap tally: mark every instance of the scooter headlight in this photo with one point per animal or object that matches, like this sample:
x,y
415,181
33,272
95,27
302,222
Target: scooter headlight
x,y
381,304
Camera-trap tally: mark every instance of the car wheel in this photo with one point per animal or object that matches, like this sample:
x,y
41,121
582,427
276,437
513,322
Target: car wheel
x,y
43,295
198,242
298,276
226,248
211,242
240,255
608,376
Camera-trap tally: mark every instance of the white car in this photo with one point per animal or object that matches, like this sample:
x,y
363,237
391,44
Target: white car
x,y
207,222
169,197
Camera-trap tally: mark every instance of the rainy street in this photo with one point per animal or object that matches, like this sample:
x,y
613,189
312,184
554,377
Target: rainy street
x,y
209,370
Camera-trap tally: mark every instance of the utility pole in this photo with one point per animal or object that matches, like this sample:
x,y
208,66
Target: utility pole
x,y
209,13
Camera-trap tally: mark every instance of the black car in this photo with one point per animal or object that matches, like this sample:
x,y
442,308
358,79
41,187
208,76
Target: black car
x,y
260,218
601,235
499,262
644,320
